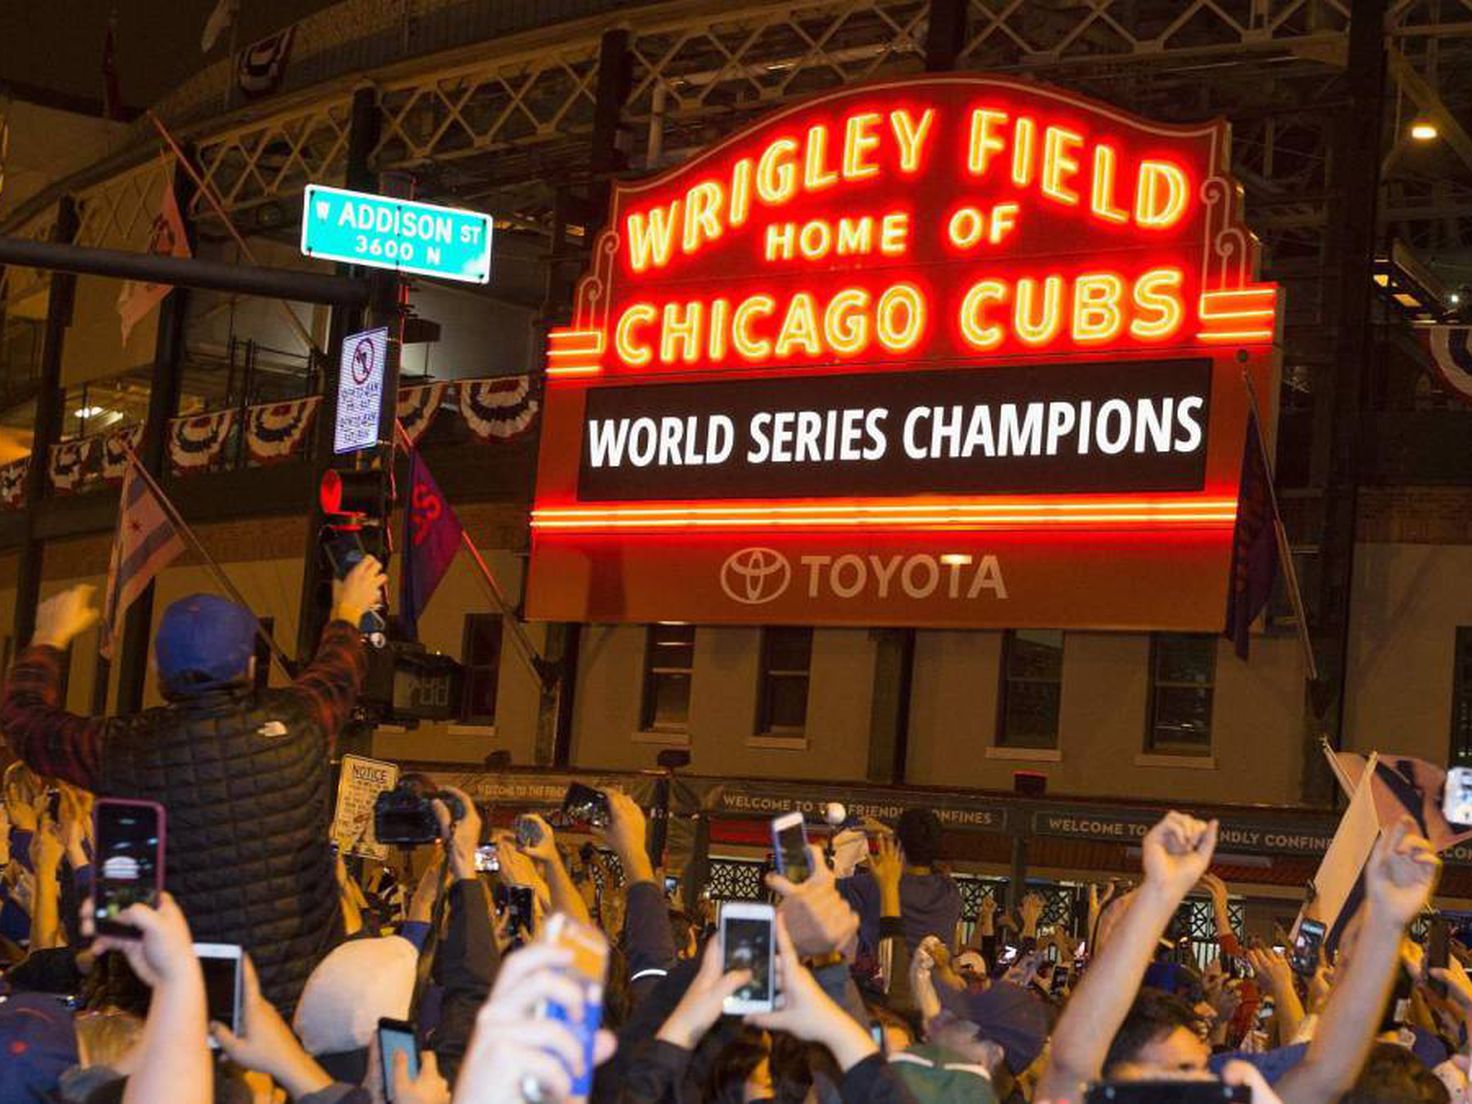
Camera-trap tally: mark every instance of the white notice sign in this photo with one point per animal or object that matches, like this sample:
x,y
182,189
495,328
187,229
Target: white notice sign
x,y
360,390
359,785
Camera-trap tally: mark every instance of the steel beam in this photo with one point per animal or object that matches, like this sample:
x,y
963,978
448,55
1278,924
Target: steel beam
x,y
275,283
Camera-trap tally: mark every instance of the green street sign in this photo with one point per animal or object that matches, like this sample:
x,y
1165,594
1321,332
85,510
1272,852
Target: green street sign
x,y
401,234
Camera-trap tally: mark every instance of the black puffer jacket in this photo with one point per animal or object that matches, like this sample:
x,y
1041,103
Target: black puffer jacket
x,y
245,779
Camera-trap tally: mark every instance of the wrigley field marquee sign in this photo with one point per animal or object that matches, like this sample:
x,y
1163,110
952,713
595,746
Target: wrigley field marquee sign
x,y
951,351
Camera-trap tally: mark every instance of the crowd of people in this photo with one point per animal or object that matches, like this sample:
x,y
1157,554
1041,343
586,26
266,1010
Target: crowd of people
x,y
884,994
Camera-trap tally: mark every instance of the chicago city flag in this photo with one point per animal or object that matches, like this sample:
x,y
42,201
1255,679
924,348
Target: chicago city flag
x,y
431,539
146,542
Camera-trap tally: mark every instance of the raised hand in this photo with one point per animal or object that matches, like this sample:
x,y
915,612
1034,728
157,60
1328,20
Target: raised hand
x,y
809,1013
701,1005
461,837
819,920
266,1043
625,836
165,951
887,863
544,850
1401,873
1177,851
1031,911
428,1088
360,591
1458,984
64,617
1272,967
511,1047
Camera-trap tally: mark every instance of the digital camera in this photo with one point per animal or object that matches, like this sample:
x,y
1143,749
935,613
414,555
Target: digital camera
x,y
403,815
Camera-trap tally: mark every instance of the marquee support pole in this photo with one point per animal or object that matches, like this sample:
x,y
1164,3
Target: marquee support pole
x,y
945,34
363,133
50,412
163,401
1339,391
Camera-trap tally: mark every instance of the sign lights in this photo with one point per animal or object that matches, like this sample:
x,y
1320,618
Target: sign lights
x,y
948,304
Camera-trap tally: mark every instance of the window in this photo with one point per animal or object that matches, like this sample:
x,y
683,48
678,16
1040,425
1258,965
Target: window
x,y
481,655
787,658
669,661
1182,679
1462,697
263,652
1032,687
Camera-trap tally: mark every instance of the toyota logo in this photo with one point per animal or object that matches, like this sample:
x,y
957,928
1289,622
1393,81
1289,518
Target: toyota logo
x,y
755,576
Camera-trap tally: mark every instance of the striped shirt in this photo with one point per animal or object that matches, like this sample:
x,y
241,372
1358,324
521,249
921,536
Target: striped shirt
x,y
63,745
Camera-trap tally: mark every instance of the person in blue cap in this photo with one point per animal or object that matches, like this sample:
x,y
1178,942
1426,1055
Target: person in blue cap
x,y
242,772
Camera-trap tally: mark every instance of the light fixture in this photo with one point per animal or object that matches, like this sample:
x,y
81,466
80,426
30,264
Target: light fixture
x,y
90,411
1424,130
1454,298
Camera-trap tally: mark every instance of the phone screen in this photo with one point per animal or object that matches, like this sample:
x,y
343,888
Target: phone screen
x,y
487,861
790,845
747,945
221,983
1306,944
396,1037
586,805
129,860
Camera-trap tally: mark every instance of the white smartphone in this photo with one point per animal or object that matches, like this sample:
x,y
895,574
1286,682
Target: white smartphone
x,y
790,847
748,942
224,982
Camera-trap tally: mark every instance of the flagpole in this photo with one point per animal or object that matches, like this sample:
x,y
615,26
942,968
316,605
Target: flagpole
x,y
1285,551
219,209
215,569
528,651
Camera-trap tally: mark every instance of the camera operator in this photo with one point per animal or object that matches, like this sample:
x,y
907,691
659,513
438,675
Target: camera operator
x,y
242,772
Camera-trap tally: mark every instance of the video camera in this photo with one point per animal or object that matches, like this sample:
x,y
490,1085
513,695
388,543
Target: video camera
x,y
403,815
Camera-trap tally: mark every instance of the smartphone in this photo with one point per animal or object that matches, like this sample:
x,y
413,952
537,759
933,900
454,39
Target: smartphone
x,y
1060,979
1007,956
223,983
589,969
395,1037
528,832
129,860
486,859
520,902
876,1032
53,805
586,805
747,943
1166,1092
344,552
1456,799
790,847
671,884
1306,946
1438,950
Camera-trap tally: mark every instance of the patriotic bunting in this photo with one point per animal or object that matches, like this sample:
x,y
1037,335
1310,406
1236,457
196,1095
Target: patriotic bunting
x,y
418,405
115,449
70,463
261,65
498,409
13,483
1451,355
195,443
273,433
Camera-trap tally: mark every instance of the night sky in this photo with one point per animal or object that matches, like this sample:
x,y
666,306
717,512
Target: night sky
x,y
58,45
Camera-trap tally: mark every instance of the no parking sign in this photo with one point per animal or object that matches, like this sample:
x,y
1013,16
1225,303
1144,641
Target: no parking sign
x,y
360,390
